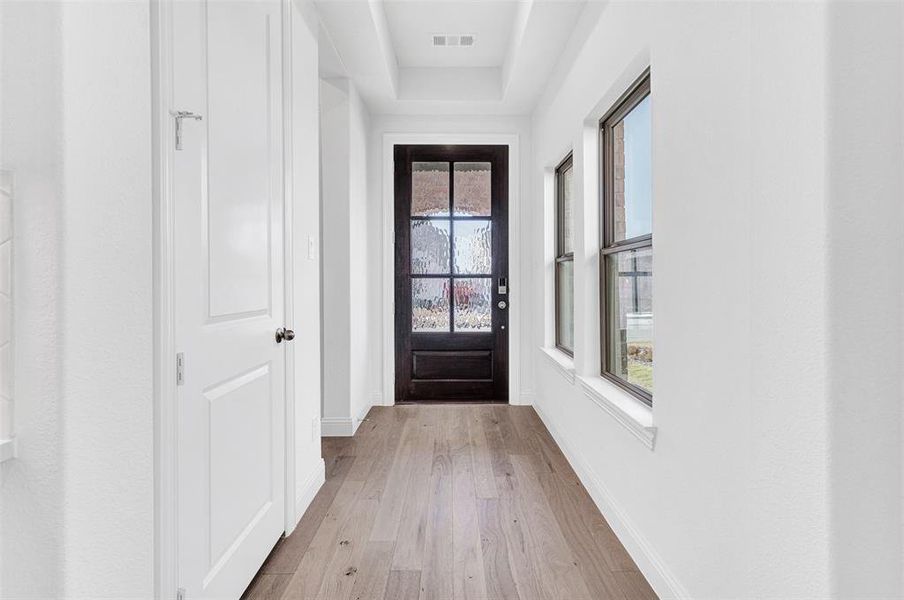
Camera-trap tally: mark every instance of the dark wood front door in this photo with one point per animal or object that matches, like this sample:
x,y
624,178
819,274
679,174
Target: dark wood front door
x,y
451,259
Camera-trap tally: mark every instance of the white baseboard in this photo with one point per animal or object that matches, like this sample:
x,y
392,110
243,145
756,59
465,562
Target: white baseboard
x,y
526,399
337,427
347,426
309,489
660,577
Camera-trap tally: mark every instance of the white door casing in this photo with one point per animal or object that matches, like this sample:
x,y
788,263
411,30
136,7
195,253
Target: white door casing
x,y
228,198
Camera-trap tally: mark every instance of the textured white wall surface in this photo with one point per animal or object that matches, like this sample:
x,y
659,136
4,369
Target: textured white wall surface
x,y
779,291
335,249
6,307
32,494
76,505
362,387
306,211
865,221
348,389
777,295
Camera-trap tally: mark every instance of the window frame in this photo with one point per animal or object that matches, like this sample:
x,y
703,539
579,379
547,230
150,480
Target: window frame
x,y
635,94
561,255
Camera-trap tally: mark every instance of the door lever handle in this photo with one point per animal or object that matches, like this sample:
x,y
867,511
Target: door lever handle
x,y
179,115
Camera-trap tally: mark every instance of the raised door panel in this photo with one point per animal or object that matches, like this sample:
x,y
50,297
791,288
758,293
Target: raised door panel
x,y
242,113
229,222
240,491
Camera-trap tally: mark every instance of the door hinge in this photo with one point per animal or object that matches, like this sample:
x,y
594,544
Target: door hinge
x,y
180,594
178,115
180,369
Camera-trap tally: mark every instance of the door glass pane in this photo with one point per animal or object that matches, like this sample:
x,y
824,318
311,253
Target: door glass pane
x,y
632,153
565,304
429,304
629,316
429,189
472,305
473,247
472,189
430,246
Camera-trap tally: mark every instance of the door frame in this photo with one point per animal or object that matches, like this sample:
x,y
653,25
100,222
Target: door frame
x,y
166,555
390,140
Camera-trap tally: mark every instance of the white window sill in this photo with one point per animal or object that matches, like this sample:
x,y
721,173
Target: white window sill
x,y
563,363
7,450
628,411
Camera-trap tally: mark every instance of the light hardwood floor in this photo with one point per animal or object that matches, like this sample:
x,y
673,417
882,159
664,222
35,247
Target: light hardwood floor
x,y
445,502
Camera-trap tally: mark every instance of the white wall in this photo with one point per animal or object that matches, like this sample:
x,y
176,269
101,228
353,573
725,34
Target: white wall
x,y
334,142
773,209
7,442
348,389
31,497
866,284
76,506
434,129
306,219
361,385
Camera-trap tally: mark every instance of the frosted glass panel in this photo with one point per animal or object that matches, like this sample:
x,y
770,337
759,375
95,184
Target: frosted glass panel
x,y
472,305
429,189
472,189
430,247
429,304
473,247
632,181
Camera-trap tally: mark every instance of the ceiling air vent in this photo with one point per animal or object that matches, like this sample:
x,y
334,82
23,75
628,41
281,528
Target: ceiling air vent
x,y
453,39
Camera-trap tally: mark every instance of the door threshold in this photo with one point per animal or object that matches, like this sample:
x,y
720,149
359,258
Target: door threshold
x,y
460,402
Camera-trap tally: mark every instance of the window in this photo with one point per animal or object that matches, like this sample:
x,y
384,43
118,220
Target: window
x,y
626,256
451,247
564,259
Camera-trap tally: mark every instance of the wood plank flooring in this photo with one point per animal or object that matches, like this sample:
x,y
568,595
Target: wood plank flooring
x,y
450,502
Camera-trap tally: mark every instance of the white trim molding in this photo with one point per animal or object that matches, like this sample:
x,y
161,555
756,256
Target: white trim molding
x,y
563,363
166,558
338,426
290,519
516,286
345,426
660,577
627,411
309,489
527,398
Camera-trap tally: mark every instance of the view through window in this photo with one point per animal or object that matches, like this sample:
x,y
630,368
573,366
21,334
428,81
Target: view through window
x,y
626,257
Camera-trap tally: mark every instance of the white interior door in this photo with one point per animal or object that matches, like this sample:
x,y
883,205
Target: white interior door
x,y
228,196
